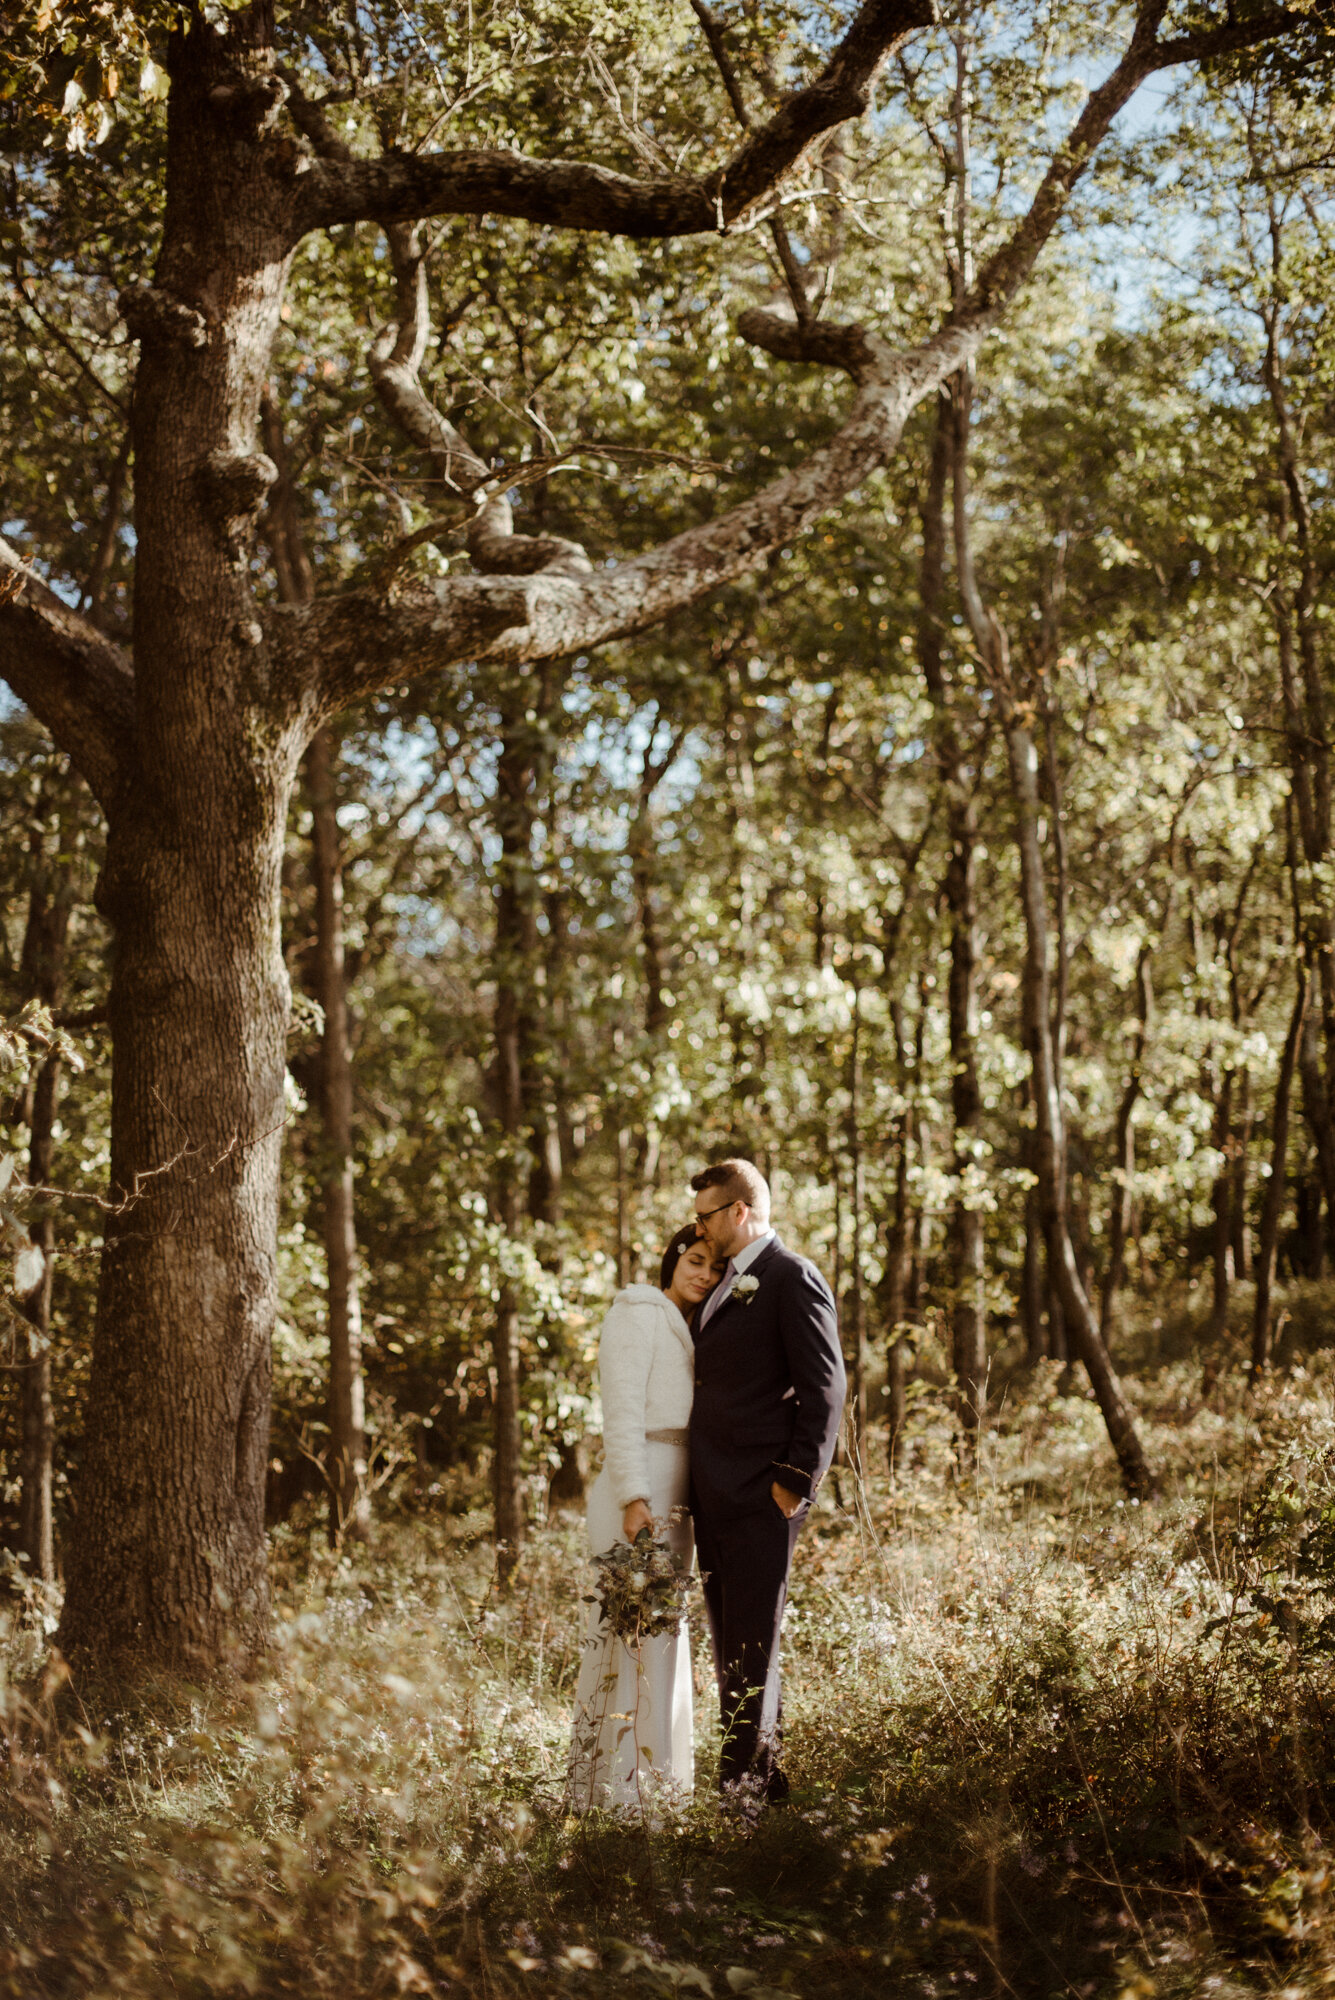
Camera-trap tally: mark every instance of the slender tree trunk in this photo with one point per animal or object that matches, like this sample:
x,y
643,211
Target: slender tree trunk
x,y
1022,758
1316,1112
898,1280
1050,1125
1238,1204
965,1277
899,1266
1272,1206
857,1325
95,591
349,1502
1032,1321
1221,1203
1124,1153
516,1087
41,974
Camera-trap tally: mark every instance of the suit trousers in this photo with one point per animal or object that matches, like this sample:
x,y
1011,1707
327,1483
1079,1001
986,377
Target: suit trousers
x,y
744,1563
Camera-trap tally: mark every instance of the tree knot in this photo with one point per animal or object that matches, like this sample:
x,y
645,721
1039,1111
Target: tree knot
x,y
148,311
250,104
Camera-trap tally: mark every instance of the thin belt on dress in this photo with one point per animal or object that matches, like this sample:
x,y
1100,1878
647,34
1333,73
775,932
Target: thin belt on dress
x,y
667,1437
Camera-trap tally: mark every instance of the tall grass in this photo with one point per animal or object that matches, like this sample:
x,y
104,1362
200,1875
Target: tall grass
x,y
1042,1742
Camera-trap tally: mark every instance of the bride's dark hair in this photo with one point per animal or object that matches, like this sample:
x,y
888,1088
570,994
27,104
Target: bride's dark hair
x,y
672,1256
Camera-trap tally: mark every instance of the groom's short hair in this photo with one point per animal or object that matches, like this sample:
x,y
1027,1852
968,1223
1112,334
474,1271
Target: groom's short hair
x,y
736,1180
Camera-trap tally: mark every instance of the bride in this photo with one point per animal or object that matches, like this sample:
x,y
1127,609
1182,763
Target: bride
x,y
633,1729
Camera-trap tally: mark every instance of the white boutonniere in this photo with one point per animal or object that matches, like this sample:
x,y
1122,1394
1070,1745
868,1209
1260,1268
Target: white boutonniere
x,y
745,1290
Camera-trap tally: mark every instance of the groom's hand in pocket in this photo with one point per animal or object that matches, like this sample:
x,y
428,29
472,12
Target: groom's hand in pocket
x,y
787,1503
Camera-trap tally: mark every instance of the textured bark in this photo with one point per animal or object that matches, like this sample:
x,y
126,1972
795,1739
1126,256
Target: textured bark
x,y
1272,1207
169,1560
349,1502
569,194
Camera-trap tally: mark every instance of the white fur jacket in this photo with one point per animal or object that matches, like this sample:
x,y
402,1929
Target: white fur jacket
x,y
646,1372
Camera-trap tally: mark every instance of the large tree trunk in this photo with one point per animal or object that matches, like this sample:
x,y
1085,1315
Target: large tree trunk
x,y
349,1501
168,1563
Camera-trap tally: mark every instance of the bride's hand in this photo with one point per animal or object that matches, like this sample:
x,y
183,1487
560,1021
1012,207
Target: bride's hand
x,y
636,1516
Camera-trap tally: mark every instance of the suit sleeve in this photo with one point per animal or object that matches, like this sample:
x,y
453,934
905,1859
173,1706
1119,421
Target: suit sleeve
x,y
809,1331
625,1355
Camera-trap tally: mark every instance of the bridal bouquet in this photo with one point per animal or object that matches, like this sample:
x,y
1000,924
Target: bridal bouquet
x,y
642,1588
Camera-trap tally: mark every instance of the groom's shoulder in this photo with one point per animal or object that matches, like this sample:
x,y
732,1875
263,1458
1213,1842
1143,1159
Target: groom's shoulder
x,y
792,1265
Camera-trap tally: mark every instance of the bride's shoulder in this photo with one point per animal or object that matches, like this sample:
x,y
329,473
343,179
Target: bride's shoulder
x,y
633,1307
638,1295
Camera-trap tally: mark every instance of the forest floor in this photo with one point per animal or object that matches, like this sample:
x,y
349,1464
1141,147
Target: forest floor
x,y
1043,1742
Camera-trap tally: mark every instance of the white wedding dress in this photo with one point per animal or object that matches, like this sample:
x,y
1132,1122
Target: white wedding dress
x,y
632,1742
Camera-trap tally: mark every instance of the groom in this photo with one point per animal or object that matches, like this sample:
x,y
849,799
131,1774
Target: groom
x,y
769,1396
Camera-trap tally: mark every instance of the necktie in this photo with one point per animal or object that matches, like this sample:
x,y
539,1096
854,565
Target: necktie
x,y
720,1292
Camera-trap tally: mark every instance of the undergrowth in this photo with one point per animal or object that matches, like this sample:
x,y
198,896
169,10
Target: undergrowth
x,y
1043,1742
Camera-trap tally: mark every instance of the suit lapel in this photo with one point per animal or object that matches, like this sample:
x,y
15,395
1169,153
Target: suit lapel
x,y
756,1270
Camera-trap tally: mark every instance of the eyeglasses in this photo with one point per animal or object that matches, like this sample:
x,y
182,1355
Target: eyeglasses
x,y
704,1215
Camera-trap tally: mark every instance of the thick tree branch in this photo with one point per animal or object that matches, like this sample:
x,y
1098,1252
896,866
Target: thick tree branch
x,y
359,642
824,342
569,194
77,684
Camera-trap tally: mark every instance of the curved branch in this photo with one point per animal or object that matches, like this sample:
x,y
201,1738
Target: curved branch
x,y
569,194
77,684
395,358
359,642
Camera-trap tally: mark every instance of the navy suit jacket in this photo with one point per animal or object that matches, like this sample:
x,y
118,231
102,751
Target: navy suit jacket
x,y
769,1388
